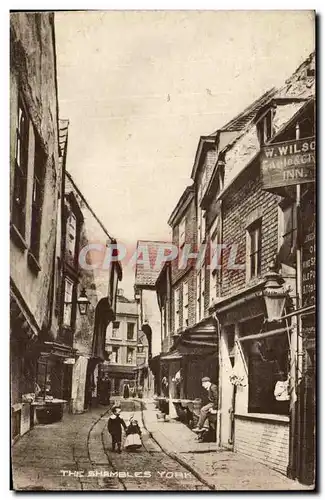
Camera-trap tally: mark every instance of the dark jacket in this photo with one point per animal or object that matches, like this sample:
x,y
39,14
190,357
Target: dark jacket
x,y
213,396
115,424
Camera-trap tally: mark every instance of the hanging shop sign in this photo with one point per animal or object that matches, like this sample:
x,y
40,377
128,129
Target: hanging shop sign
x,y
288,163
69,361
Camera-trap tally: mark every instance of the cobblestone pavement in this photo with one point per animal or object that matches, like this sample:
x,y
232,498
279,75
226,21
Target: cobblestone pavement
x,y
75,454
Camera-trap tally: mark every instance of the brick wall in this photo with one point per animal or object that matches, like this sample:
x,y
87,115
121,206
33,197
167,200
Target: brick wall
x,y
267,442
190,238
179,276
190,278
245,198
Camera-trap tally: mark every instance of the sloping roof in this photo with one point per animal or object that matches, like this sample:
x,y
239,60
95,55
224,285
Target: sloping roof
x,y
147,273
63,136
182,203
237,124
302,82
245,117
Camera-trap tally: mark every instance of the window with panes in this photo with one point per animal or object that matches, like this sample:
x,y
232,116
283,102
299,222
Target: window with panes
x,y
37,197
68,302
130,331
254,249
185,304
18,215
288,232
177,308
71,237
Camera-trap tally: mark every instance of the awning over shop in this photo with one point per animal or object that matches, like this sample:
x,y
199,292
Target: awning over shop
x,y
189,349
57,349
123,369
200,340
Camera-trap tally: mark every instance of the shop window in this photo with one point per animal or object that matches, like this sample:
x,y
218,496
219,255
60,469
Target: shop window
x,y
254,249
130,356
37,199
68,302
114,358
20,170
268,368
115,329
288,233
230,332
181,236
185,304
177,299
130,331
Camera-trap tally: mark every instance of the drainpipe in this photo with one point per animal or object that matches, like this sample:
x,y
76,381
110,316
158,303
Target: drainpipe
x,y
296,354
218,429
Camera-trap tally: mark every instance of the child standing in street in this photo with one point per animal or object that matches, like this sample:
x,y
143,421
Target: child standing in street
x,y
114,426
133,435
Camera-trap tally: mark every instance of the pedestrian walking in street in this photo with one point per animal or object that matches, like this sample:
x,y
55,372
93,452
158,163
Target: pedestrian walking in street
x,y
114,426
133,435
211,407
126,392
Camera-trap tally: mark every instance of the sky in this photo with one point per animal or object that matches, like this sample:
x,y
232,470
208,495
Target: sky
x,y
139,89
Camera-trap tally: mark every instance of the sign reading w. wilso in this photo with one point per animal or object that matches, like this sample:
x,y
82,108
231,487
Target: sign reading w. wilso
x,y
288,163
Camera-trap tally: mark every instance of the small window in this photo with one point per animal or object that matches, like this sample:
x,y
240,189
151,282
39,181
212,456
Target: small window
x,y
177,308
130,356
230,332
37,200
130,331
114,357
185,304
20,169
254,242
215,259
200,226
115,330
68,297
182,228
71,236
200,294
288,233
265,128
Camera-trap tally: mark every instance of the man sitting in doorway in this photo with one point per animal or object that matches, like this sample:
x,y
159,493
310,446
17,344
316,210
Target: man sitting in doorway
x,y
211,407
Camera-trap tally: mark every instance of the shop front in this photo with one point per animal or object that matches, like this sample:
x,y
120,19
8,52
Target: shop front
x,y
23,361
52,397
255,380
193,356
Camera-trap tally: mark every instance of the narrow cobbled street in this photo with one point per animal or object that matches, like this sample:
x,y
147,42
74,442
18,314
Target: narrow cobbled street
x,y
84,460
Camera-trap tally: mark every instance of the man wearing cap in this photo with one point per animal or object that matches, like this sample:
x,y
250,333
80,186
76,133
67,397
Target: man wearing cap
x,y
211,407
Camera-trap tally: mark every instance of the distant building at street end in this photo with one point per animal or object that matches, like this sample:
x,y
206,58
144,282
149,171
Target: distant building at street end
x,y
146,273
123,348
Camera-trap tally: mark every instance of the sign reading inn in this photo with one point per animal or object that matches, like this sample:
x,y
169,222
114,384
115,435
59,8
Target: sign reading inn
x,y
288,163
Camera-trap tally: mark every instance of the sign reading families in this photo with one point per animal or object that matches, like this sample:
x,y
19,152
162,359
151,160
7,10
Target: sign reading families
x,y
288,163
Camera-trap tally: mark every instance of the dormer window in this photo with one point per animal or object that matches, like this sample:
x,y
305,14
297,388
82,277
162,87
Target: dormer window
x,y
264,127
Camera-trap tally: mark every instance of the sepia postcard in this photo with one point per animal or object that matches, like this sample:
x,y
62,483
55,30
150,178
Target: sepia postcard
x,y
163,250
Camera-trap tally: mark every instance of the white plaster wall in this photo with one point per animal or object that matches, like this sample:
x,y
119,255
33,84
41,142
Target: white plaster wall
x,y
226,390
151,313
79,384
